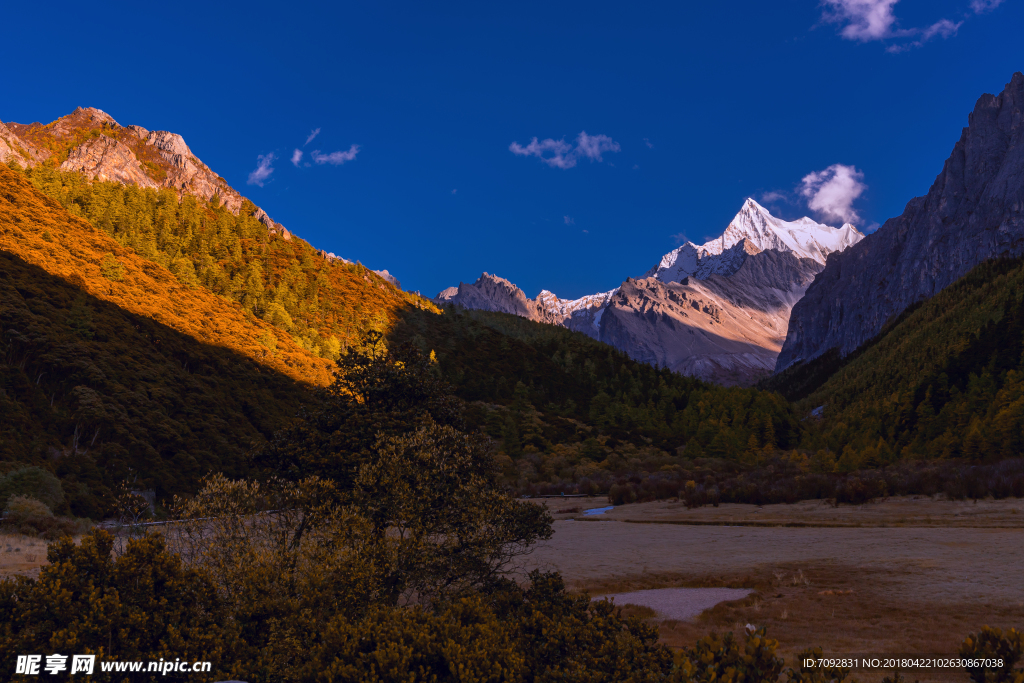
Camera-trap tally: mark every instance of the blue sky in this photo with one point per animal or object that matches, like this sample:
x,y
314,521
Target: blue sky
x,y
687,109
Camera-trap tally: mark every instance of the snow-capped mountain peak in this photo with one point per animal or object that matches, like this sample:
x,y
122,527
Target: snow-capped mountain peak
x,y
756,229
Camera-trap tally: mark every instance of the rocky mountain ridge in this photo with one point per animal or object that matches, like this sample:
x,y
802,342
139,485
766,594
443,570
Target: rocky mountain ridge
x,y
92,142
974,211
721,317
753,230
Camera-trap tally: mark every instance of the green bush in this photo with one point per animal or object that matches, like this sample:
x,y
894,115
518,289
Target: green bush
x,y
34,482
24,508
28,516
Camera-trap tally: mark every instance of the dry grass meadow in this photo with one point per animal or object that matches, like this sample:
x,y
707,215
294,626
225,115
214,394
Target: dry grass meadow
x,y
900,576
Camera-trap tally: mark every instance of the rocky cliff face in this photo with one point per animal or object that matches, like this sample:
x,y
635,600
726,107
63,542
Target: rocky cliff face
x,y
90,141
107,159
491,293
725,329
974,211
725,321
13,148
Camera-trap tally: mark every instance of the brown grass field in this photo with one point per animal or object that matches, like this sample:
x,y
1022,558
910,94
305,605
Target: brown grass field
x,y
900,576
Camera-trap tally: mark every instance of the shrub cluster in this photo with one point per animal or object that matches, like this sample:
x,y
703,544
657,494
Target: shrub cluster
x,y
788,480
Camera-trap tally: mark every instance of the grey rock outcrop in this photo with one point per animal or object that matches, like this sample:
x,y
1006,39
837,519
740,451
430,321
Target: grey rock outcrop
x,y
974,211
490,293
389,277
107,159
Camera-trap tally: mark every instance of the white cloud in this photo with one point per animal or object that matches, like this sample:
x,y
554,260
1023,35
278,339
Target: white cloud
x,y
336,158
560,150
568,220
832,192
679,238
864,19
296,157
263,169
774,196
648,143
561,154
869,20
455,191
312,135
982,6
593,146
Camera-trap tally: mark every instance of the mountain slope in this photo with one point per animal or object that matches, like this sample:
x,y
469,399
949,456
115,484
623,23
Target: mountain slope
x,y
726,329
322,303
108,362
972,212
718,311
947,380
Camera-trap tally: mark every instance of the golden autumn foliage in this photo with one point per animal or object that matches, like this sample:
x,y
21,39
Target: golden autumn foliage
x,y
80,254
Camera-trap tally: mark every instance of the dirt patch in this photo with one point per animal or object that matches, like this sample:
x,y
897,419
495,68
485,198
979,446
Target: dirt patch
x,y
21,555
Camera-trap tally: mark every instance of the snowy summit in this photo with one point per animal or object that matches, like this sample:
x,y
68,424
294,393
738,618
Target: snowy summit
x,y
754,229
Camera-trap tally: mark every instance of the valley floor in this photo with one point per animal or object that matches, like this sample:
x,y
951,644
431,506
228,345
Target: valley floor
x,y
901,576
909,576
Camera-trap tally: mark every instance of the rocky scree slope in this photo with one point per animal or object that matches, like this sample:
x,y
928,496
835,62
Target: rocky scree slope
x,y
973,211
718,311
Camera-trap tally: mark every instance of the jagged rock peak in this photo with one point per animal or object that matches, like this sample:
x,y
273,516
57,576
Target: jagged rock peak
x,y
972,212
752,230
389,277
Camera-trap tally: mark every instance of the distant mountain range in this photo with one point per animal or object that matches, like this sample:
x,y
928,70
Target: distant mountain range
x,y
717,311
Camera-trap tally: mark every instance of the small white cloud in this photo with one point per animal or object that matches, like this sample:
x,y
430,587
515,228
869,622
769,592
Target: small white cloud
x,y
869,20
679,238
586,232
636,166
648,143
593,146
568,220
312,135
774,196
296,157
455,190
561,154
943,28
863,20
263,169
832,192
982,6
559,150
336,158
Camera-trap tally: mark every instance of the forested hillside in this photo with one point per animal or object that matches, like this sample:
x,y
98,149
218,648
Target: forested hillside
x,y
109,362
324,305
946,381
571,412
